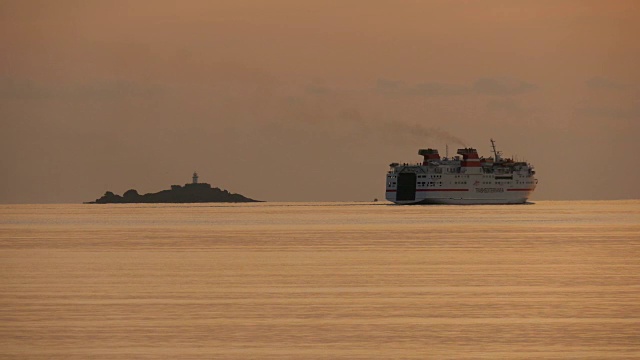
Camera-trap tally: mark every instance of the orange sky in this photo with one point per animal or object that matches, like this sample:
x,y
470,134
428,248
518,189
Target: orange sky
x,y
310,101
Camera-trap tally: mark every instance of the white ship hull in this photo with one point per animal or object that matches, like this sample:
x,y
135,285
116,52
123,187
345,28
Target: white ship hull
x,y
465,180
470,197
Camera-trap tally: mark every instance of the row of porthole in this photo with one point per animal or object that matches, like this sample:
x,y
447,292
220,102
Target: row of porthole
x,y
464,182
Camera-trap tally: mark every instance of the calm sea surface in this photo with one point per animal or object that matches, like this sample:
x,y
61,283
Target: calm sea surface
x,y
557,280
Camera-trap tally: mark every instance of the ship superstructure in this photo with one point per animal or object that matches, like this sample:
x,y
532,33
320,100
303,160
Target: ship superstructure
x,y
463,179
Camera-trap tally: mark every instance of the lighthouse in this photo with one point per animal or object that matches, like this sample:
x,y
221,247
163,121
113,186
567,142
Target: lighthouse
x,y
195,178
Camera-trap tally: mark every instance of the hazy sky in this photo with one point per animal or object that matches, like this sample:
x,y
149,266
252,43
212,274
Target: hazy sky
x,y
311,100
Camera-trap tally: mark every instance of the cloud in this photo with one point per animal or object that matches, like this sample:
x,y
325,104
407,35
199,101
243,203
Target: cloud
x,y
315,89
611,112
498,86
22,89
11,88
113,90
508,105
438,89
386,85
599,82
428,89
502,86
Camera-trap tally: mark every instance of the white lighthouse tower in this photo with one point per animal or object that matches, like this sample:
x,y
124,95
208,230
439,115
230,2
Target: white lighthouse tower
x,y
195,178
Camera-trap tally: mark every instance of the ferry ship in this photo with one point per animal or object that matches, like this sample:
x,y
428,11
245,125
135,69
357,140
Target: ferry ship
x,y
465,179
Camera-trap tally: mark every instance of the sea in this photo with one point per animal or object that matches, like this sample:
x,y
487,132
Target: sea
x,y
344,280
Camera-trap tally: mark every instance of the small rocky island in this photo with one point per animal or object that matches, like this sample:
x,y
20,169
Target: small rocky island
x,y
189,193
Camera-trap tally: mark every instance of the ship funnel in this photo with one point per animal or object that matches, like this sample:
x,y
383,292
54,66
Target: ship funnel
x,y
429,155
469,157
468,153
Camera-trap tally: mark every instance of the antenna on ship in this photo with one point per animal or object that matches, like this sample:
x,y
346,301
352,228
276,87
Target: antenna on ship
x,y
496,154
195,178
446,152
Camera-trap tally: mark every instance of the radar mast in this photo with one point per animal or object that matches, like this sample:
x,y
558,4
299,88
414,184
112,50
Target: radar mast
x,y
496,154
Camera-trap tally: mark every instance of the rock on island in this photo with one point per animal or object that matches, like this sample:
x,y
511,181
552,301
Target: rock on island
x,y
189,193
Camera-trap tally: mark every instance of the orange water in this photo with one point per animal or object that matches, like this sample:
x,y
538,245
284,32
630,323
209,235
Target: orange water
x,y
320,281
